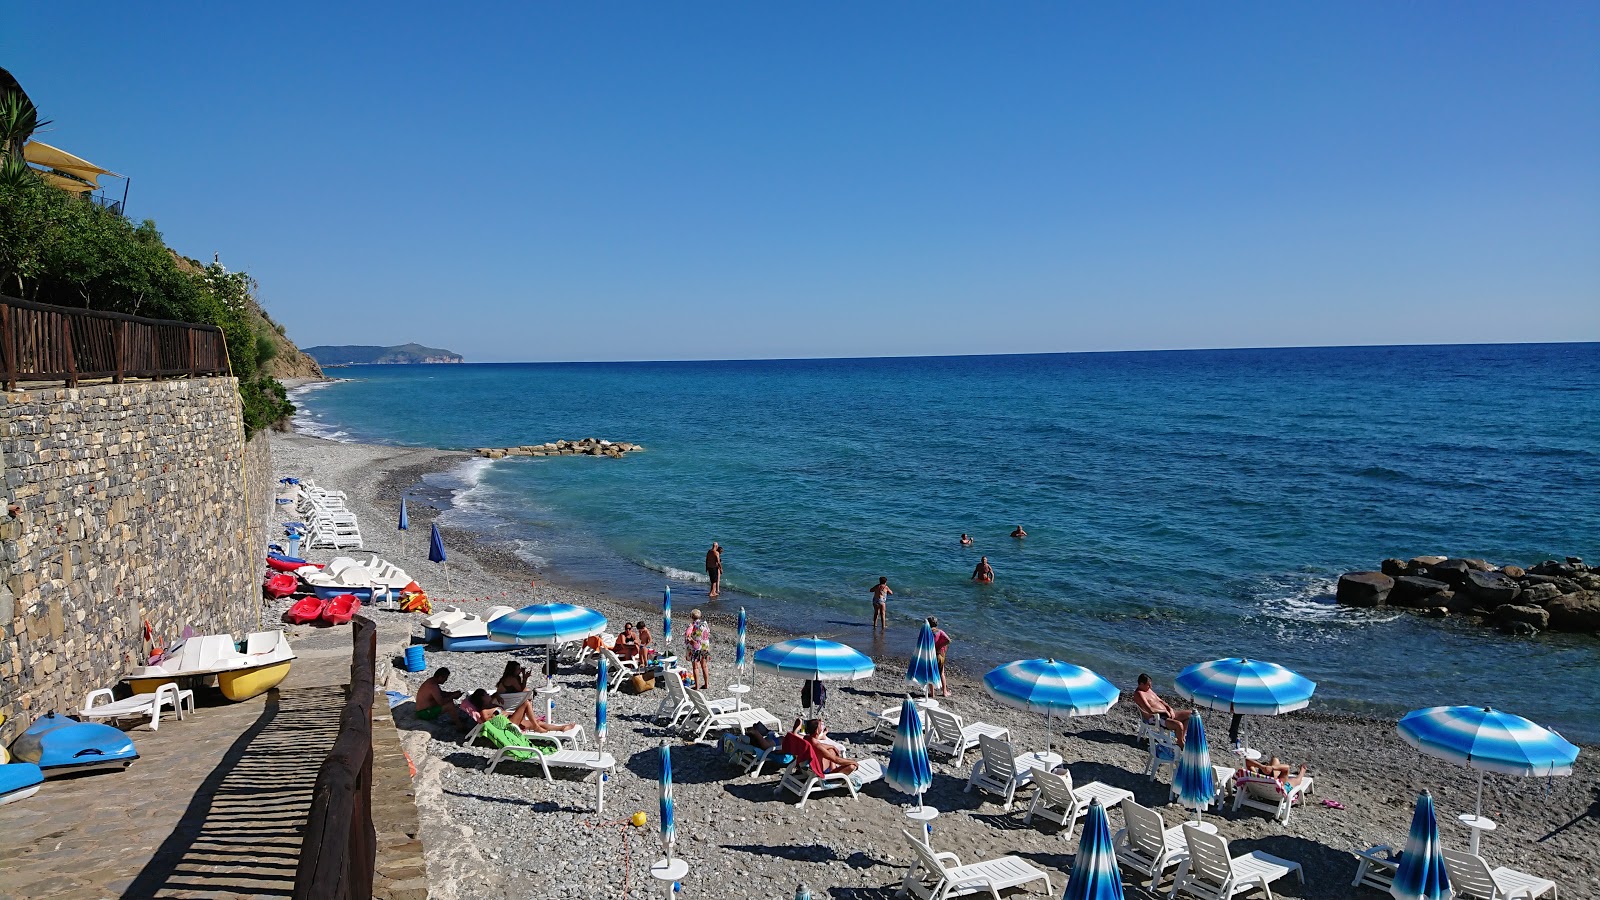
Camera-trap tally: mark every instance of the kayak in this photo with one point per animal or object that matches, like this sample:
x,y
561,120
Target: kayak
x,y
341,609
329,592
281,563
59,746
308,609
19,781
281,585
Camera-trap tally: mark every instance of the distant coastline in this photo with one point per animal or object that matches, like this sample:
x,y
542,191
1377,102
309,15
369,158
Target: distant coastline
x,y
368,355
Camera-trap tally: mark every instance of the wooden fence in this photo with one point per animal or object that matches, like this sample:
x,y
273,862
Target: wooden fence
x,y
39,342
340,849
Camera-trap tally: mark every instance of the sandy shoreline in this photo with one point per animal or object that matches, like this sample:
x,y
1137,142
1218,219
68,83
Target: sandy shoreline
x,y
513,834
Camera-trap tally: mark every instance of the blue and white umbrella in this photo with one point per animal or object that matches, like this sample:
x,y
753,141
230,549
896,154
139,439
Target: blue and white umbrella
x,y
909,770
602,681
1196,784
924,667
1094,873
436,552
669,831
1245,687
814,659
1422,875
547,623
666,618
1051,687
404,524
1488,740
738,644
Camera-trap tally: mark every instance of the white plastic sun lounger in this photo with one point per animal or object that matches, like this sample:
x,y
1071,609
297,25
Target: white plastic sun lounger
x,y
562,758
619,668
1146,845
997,770
1210,873
947,734
676,706
166,696
1471,876
800,777
1269,794
1057,800
937,876
703,719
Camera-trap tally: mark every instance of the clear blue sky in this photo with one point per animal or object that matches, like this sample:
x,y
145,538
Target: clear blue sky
x,y
672,180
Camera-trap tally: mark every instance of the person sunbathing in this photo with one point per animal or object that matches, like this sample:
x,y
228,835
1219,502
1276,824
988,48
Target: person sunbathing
x,y
626,644
523,716
829,752
514,680
1275,768
1156,709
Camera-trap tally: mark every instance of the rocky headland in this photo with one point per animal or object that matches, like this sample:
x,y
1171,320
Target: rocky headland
x,y
584,447
1553,595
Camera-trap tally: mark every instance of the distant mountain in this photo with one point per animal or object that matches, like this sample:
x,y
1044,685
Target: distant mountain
x,y
404,354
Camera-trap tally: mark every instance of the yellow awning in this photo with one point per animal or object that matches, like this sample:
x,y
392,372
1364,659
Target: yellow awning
x,y
66,184
42,154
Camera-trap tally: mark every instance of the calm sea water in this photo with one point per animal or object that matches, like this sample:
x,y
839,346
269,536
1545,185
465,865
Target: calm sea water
x,y
1179,505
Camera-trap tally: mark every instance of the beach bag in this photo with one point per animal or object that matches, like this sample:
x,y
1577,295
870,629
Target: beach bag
x,y
638,684
502,734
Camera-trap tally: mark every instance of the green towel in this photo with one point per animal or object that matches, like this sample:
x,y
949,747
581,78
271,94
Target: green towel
x,y
502,734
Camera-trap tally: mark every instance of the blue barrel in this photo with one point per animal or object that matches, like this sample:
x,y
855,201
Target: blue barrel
x,y
414,660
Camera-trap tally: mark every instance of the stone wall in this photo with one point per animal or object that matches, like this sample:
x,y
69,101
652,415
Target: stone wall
x,y
125,505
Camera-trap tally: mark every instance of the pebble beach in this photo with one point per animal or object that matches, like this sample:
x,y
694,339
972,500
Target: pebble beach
x,y
513,834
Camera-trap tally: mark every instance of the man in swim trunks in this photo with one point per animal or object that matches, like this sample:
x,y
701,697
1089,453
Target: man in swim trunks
x,y
965,541
714,569
1152,706
984,573
880,602
433,700
1019,534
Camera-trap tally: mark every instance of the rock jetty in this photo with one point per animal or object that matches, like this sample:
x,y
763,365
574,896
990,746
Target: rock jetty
x,y
1551,596
584,447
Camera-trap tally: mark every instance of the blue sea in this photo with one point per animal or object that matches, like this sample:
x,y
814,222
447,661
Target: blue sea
x,y
1179,505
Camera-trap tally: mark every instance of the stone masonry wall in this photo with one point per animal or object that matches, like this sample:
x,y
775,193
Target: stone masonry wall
x,y
124,505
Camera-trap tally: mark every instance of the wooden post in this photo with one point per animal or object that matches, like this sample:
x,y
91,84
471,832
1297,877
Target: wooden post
x,y
71,356
119,349
8,336
190,333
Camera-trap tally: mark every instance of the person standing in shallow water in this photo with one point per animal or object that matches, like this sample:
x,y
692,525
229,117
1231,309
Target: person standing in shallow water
x,y
714,569
880,602
983,573
1019,534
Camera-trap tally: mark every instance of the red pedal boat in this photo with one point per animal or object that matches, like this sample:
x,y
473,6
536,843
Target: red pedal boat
x,y
281,585
341,609
287,563
308,609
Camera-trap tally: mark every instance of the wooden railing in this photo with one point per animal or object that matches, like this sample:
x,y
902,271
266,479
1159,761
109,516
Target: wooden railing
x,y
340,849
39,342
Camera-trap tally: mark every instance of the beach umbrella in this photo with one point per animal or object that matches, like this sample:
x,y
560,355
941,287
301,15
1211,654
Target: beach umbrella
x,y
1422,875
738,644
923,670
601,682
404,525
1245,687
547,623
1196,784
909,770
1094,874
1488,740
801,892
1051,687
666,618
669,831
814,659
436,552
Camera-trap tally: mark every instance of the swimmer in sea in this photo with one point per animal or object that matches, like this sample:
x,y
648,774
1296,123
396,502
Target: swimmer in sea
x,y
965,541
984,573
1019,534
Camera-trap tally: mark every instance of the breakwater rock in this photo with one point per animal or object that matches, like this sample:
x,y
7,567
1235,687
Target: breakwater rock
x,y
1551,596
585,447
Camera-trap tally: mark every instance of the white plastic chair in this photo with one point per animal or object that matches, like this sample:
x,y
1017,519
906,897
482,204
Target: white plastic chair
x,y
1212,874
1145,844
704,718
1471,876
1163,752
1266,793
938,876
619,668
150,705
676,705
947,734
997,770
1221,783
1057,800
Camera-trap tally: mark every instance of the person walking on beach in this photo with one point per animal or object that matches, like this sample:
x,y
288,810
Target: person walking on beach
x,y
698,640
984,573
1156,709
941,643
714,569
1019,534
880,602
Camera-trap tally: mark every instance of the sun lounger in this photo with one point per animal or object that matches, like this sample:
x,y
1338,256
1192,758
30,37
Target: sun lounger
x,y
561,758
748,757
1163,752
676,706
147,705
1471,876
998,771
806,775
703,718
1378,866
1221,781
619,668
1059,801
1212,874
1269,794
1147,845
947,734
937,876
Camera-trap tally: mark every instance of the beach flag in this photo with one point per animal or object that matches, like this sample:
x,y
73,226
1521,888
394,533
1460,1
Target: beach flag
x,y
1422,875
405,523
1196,783
909,770
923,671
666,617
436,552
1094,873
669,831
601,682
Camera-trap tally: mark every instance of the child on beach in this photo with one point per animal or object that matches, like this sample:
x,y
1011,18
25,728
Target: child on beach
x,y
698,640
646,640
941,642
880,602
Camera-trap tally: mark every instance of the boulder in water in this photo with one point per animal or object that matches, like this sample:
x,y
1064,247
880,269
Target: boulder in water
x,y
1416,592
1533,615
1451,571
1575,612
1364,588
1512,571
1540,594
1394,568
1492,589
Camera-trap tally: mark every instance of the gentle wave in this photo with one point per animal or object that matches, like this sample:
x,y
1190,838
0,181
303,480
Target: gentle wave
x,y
677,574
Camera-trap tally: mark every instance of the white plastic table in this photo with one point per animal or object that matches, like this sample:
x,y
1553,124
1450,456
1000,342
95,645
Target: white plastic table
x,y
1040,759
601,765
1478,824
924,816
549,692
669,871
738,691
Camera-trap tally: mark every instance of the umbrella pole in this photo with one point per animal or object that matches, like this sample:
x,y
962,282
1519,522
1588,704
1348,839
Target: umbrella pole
x,y
1050,731
1479,811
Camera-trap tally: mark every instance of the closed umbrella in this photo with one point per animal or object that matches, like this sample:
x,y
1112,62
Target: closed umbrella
x,y
669,830
1196,784
909,770
436,552
666,618
1094,874
1490,741
404,525
602,681
923,670
1422,875
738,646
1245,687
1051,687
